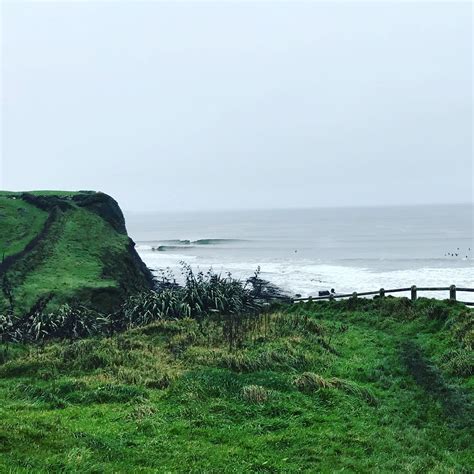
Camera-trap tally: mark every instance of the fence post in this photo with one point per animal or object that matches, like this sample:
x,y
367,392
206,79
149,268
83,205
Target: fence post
x,y
310,299
354,295
382,292
413,293
452,292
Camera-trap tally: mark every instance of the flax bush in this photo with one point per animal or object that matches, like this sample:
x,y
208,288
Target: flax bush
x,y
203,296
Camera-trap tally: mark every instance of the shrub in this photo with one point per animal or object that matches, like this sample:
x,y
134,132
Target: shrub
x,y
203,296
71,322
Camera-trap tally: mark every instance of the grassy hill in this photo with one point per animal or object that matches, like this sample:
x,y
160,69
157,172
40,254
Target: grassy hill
x,y
361,386
64,246
207,377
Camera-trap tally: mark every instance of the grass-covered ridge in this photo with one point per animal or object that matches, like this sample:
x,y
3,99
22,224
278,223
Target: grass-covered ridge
x,y
58,247
359,385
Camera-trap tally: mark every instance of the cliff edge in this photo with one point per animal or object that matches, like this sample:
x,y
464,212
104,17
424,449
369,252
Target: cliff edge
x,y
66,247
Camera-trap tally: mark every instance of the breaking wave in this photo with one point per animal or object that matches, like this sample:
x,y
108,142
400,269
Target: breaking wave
x,y
307,278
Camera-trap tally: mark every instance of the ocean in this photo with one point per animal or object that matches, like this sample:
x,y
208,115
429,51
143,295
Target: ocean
x,y
303,251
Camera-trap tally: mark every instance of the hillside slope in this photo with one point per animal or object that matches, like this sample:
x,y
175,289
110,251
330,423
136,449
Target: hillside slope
x,y
367,386
59,247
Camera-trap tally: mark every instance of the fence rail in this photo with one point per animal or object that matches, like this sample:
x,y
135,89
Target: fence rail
x,y
453,290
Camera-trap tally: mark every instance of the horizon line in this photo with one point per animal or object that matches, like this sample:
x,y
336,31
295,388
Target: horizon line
x,y
299,208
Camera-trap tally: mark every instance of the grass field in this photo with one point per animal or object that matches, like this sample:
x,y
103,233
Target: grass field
x,y
357,386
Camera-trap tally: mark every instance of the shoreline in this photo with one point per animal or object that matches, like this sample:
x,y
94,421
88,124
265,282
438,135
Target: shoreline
x,y
306,279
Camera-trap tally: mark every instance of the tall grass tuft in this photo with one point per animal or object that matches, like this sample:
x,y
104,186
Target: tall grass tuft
x,y
310,382
255,394
459,362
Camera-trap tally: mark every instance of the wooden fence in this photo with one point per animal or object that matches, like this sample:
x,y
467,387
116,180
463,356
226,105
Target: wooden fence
x,y
453,290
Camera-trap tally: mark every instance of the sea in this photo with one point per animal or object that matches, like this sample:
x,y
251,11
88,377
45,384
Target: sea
x,y
304,251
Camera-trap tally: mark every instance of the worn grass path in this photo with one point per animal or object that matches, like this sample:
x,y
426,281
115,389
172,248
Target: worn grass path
x,y
401,346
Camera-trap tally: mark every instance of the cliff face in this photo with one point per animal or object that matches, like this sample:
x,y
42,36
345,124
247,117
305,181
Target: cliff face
x,y
66,247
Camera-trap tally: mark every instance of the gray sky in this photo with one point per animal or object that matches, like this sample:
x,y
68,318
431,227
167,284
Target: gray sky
x,y
171,106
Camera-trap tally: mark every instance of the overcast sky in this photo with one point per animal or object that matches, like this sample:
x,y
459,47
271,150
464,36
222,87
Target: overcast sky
x,y
171,106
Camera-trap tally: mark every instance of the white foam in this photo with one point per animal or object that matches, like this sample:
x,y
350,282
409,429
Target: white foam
x,y
143,247
307,278
157,259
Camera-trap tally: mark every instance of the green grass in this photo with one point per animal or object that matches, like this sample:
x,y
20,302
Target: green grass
x,y
20,223
355,386
81,256
58,193
75,259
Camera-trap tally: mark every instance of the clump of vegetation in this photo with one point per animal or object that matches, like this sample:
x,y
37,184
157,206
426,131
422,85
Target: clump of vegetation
x,y
459,362
67,322
463,327
255,394
437,311
202,296
309,382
